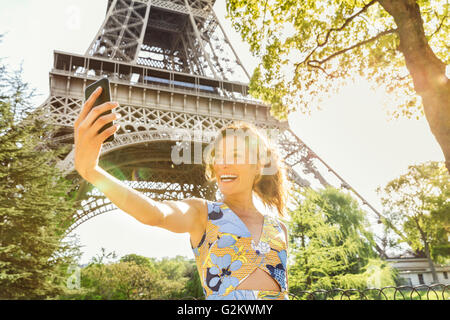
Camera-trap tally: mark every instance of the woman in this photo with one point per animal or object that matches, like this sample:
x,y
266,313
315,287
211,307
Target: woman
x,y
240,253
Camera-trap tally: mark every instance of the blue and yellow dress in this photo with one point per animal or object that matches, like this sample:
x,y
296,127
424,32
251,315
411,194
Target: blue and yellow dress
x,y
227,255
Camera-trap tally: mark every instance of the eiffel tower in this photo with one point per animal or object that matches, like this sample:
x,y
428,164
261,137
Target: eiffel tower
x,y
171,66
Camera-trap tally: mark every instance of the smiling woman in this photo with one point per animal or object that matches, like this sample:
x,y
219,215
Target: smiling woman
x,y
240,252
253,159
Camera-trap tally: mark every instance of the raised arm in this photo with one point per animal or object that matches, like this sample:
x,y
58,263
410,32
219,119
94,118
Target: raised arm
x,y
187,215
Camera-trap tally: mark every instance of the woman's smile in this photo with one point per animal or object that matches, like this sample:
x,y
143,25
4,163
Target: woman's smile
x,y
227,178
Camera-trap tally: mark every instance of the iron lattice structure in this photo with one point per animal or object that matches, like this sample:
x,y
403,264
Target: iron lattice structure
x,y
171,67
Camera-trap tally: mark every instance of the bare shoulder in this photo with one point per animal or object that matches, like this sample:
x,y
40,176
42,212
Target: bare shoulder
x,y
199,208
198,204
193,205
186,215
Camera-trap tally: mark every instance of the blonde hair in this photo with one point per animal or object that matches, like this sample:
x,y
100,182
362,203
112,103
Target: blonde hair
x,y
272,189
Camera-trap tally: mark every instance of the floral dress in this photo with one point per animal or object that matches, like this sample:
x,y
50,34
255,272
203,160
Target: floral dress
x,y
227,255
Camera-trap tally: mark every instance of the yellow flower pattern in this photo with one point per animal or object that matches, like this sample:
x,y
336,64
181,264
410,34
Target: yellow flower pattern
x,y
227,254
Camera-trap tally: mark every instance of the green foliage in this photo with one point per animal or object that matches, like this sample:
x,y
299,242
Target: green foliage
x,y
309,49
418,208
118,281
103,257
135,277
330,245
35,201
139,260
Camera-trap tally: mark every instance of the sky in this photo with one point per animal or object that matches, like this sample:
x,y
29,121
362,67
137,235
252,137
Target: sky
x,y
352,133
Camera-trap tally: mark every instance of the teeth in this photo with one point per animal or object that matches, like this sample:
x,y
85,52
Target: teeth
x,y
227,176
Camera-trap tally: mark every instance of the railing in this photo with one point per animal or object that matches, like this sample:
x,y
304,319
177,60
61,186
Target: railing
x,y
147,84
422,292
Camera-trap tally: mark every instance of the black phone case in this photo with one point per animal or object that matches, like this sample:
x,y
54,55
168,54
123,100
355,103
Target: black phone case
x,y
104,97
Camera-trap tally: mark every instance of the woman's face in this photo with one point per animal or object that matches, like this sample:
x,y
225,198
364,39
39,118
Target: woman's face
x,y
234,166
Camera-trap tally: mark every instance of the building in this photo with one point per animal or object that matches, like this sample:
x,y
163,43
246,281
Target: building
x,y
416,271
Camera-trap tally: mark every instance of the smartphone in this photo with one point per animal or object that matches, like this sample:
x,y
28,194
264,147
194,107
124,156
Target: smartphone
x,y
105,96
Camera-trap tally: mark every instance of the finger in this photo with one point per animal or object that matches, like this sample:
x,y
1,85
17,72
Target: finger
x,y
101,137
96,112
88,105
103,120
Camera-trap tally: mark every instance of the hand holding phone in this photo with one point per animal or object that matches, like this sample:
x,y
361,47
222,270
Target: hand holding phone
x,y
93,126
104,97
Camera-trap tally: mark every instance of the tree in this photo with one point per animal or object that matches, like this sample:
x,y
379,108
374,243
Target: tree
x,y
330,245
103,257
418,210
310,48
176,275
139,260
135,277
180,271
34,200
121,281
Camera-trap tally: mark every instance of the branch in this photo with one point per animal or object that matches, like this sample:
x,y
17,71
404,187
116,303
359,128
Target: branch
x,y
321,69
440,25
346,22
354,46
399,78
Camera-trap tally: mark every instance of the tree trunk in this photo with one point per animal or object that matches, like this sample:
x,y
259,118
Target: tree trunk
x,y
424,237
430,263
427,71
